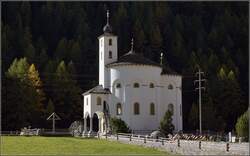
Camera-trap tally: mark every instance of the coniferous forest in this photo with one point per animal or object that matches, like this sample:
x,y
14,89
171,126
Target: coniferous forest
x,y
50,56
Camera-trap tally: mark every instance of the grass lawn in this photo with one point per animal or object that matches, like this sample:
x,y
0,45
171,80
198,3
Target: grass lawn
x,y
69,146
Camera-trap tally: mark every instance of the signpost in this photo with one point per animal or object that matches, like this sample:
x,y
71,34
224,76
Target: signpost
x,y
53,117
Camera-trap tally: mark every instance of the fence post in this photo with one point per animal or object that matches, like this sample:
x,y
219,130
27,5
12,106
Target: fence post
x,y
98,135
130,137
199,144
117,137
227,147
162,141
106,136
178,142
144,139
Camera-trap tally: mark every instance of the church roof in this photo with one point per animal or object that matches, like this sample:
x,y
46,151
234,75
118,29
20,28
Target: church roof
x,y
97,90
132,58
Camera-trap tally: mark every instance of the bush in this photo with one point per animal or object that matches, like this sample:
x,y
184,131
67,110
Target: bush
x,y
166,125
242,126
119,126
75,128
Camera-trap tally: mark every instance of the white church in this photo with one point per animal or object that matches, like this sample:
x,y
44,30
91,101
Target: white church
x,y
132,88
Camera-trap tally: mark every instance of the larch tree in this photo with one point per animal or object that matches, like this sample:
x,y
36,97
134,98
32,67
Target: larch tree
x,y
36,82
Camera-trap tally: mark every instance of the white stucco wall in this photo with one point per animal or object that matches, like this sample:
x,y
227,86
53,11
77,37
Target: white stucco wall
x,y
92,107
172,96
127,95
104,48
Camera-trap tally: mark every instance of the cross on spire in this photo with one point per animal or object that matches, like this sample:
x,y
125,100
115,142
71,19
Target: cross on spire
x,y
107,28
107,16
132,45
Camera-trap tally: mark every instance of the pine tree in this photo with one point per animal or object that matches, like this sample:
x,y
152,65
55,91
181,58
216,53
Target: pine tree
x,y
12,69
75,52
139,36
22,96
19,69
166,125
230,93
50,108
26,12
30,52
193,118
222,74
242,125
66,97
43,59
61,50
14,104
209,121
72,70
121,21
156,38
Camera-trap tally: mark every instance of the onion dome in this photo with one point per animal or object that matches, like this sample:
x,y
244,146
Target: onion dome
x,y
107,28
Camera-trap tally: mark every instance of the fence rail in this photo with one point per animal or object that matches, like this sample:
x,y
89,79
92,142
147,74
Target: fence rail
x,y
176,145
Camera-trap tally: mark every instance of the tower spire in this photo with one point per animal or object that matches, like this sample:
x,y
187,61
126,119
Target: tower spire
x,y
132,44
107,16
161,58
107,28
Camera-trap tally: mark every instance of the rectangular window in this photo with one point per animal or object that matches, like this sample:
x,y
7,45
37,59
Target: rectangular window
x,y
136,109
110,54
152,109
110,41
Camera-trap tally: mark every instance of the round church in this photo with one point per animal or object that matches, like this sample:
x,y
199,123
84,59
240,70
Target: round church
x,y
132,88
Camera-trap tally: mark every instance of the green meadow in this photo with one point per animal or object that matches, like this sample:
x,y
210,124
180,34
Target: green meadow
x,y
14,145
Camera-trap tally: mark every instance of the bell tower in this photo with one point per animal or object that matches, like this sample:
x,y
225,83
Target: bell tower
x,y
107,53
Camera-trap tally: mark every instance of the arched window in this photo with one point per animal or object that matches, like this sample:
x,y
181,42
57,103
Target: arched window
x,y
136,108
98,100
110,41
152,109
151,85
171,108
110,54
170,86
118,109
118,85
136,85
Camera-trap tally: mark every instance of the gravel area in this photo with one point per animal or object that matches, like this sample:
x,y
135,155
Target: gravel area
x,y
191,147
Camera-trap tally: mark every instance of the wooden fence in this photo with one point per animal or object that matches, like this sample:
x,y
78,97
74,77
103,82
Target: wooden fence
x,y
161,140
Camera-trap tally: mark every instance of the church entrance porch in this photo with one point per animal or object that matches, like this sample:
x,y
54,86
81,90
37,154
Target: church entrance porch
x,y
93,124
